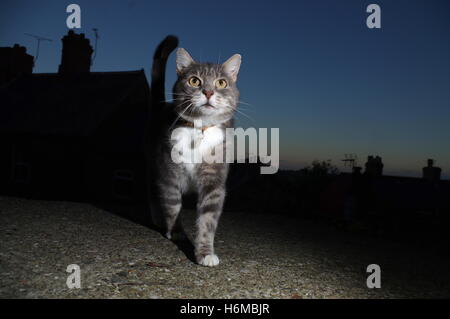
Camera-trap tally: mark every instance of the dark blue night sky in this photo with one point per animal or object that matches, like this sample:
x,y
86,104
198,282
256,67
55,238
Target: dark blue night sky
x,y
311,68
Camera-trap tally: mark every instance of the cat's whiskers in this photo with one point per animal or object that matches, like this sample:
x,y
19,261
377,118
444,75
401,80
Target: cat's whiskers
x,y
239,112
245,109
218,59
245,103
172,100
179,94
180,115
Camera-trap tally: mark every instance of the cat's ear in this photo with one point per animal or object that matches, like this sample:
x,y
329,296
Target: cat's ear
x,y
183,60
232,65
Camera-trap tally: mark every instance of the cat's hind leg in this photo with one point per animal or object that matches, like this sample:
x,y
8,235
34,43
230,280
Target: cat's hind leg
x,y
171,200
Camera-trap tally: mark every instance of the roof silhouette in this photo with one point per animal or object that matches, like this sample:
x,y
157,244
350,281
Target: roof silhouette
x,y
75,105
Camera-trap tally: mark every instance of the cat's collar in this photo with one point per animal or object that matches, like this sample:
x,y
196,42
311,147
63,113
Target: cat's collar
x,y
185,123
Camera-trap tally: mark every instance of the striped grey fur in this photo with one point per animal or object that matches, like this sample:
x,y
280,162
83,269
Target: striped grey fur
x,y
168,180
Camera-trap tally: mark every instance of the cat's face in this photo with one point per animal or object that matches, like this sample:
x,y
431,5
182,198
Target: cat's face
x,y
206,91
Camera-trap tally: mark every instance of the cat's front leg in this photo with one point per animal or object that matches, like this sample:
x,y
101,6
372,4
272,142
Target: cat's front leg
x,y
210,203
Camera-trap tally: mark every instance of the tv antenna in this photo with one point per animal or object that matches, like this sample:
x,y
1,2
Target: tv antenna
x,y
95,45
39,39
350,160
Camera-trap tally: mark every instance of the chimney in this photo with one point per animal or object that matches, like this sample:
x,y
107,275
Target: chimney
x,y
431,173
374,166
76,54
14,61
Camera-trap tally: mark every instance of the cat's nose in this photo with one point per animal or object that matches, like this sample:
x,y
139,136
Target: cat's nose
x,y
208,94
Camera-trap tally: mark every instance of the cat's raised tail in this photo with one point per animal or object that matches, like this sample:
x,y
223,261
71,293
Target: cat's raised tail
x,y
159,68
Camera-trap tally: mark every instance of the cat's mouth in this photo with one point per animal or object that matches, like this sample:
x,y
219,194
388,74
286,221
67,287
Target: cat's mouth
x,y
208,105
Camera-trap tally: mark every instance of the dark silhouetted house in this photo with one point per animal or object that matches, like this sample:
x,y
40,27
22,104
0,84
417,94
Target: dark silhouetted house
x,y
431,173
74,134
354,195
374,166
14,62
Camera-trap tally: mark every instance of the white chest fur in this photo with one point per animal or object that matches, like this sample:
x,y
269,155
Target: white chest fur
x,y
191,145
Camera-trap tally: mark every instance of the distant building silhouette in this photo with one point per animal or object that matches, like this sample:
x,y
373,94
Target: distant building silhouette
x,y
356,170
375,194
76,54
430,172
374,166
14,62
75,137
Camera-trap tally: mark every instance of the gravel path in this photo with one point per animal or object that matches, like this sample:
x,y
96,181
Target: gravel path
x,y
261,257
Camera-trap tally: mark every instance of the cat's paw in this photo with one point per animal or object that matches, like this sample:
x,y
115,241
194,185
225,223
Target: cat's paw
x,y
209,260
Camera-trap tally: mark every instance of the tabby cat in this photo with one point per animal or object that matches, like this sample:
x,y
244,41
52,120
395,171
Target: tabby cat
x,y
204,93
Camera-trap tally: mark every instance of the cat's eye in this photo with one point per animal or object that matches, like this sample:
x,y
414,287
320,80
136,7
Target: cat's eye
x,y
194,81
221,84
